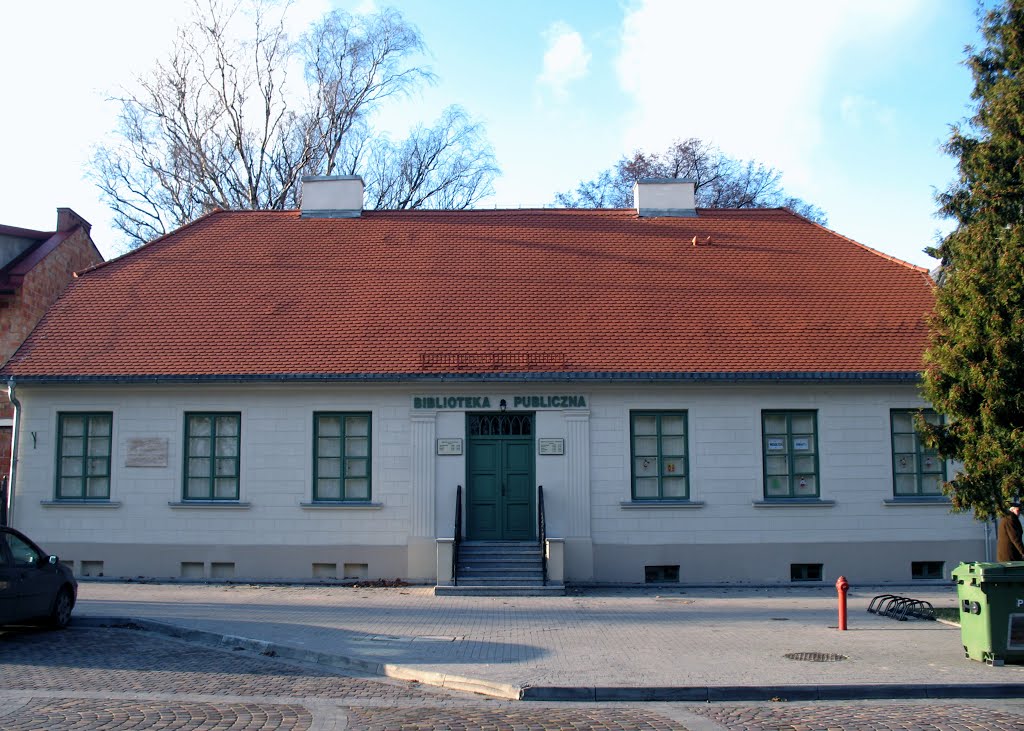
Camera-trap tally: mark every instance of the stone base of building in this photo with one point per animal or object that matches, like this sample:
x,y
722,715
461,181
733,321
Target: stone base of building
x,y
229,562
884,562
893,562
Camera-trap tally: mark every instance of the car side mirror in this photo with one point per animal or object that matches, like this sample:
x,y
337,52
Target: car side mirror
x,y
54,560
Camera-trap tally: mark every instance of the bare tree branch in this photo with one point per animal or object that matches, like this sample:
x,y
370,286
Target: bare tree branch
x,y
720,181
448,166
220,123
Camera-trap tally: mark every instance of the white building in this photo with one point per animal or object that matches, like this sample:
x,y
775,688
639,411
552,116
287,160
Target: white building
x,y
706,396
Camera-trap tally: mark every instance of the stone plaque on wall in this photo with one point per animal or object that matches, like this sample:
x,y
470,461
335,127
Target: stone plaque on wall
x,y
449,447
551,446
146,453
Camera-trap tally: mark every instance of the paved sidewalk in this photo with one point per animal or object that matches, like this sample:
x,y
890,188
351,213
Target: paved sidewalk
x,y
595,644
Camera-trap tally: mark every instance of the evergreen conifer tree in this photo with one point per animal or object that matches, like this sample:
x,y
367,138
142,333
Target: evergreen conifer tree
x,y
974,373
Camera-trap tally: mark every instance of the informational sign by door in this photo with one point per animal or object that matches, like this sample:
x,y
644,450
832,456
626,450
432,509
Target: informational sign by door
x,y
550,446
449,447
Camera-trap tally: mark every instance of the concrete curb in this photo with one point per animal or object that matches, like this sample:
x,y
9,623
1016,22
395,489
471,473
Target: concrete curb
x,y
894,691
340,662
505,691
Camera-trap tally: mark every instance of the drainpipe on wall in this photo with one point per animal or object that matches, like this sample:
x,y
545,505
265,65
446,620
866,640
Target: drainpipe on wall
x,y
14,451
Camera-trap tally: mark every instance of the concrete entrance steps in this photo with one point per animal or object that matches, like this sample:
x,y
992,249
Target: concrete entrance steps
x,y
500,568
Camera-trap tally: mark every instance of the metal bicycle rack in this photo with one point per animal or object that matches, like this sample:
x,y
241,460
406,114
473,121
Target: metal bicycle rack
x,y
901,608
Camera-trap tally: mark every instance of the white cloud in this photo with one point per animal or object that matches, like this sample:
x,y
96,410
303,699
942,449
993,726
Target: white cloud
x,y
566,58
365,7
749,76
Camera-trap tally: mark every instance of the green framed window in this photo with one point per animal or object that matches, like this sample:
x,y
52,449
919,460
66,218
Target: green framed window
x,y
916,470
83,455
341,456
790,447
660,468
212,455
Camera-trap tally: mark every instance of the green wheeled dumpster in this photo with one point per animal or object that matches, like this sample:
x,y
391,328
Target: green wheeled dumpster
x,y
991,610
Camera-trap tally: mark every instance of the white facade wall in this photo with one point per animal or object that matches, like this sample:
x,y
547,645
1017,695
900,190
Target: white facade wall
x,y
726,535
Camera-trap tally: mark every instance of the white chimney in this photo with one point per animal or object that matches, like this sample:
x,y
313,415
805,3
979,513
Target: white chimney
x,y
665,197
332,196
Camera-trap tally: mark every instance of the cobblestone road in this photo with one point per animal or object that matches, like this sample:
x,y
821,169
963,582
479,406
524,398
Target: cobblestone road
x,y
114,679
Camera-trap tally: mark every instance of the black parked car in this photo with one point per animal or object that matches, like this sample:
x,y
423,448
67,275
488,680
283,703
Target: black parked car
x,y
33,585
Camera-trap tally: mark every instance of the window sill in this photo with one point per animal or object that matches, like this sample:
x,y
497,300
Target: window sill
x,y
917,500
80,503
794,502
660,504
212,504
341,505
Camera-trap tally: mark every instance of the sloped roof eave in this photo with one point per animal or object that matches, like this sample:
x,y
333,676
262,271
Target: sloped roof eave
x,y
512,377
487,295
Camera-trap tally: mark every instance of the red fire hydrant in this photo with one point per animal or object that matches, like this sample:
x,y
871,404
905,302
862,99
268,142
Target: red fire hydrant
x,y
842,586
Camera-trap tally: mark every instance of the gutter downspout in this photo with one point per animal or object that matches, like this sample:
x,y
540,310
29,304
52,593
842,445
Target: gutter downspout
x,y
14,451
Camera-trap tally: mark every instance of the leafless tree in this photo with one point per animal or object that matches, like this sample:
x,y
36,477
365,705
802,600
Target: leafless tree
x,y
444,166
721,181
238,113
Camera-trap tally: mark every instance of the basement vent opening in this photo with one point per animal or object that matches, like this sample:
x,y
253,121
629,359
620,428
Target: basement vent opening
x,y
325,571
925,570
805,571
92,568
360,571
222,570
661,574
193,570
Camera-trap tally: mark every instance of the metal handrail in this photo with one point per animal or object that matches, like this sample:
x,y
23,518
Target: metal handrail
x,y
458,535
542,534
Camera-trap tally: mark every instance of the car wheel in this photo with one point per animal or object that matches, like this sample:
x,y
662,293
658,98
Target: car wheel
x,y
61,614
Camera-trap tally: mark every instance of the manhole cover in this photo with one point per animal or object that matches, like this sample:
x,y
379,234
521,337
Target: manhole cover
x,y
815,656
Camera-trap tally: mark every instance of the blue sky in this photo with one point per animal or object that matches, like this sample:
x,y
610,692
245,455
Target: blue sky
x,y
850,100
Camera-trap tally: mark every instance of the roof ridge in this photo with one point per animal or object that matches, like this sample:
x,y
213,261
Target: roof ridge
x,y
876,252
27,233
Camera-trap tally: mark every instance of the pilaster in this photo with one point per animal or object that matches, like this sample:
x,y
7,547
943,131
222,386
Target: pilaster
x,y
422,479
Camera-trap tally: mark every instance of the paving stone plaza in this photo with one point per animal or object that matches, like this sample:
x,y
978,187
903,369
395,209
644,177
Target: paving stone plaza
x,y
94,677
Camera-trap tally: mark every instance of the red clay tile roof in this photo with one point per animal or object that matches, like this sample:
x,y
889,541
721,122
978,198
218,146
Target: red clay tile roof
x,y
433,292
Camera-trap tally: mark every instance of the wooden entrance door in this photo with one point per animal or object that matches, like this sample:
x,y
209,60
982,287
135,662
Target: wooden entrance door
x,y
501,497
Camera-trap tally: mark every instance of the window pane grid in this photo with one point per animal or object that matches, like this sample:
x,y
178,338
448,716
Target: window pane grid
x,y
212,449
790,444
341,456
83,459
660,470
917,471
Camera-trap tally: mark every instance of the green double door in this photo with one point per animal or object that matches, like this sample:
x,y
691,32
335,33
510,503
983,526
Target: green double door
x,y
501,497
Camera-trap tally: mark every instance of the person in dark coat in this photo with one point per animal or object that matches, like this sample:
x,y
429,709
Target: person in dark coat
x,y
1009,546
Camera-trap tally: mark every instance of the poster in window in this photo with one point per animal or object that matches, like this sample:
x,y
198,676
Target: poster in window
x,y
775,444
801,444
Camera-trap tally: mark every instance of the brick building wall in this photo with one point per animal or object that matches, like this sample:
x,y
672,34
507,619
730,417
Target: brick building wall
x,y
39,288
